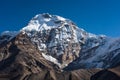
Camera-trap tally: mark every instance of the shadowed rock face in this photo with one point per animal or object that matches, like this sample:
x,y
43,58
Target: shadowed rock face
x,y
105,75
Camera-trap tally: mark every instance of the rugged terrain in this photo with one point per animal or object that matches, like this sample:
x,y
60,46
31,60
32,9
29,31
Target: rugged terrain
x,y
51,47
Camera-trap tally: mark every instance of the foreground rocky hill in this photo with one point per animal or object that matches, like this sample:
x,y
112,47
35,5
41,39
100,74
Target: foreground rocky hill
x,y
21,60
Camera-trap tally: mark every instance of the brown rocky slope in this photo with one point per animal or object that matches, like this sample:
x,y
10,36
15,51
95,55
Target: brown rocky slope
x,y
21,60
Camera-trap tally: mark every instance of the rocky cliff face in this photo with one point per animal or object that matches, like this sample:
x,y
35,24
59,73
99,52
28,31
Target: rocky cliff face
x,y
51,46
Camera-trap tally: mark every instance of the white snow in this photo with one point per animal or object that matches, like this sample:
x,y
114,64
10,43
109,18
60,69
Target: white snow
x,y
32,26
61,18
39,21
42,46
92,35
52,59
11,34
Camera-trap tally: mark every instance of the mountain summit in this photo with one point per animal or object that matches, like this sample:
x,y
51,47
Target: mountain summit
x,y
51,44
57,38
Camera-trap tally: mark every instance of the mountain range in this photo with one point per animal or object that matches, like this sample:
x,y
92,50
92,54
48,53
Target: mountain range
x,y
51,47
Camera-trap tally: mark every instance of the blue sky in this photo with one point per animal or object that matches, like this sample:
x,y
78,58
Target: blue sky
x,y
95,16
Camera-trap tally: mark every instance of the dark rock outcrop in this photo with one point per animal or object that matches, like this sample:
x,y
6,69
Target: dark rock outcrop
x,y
105,75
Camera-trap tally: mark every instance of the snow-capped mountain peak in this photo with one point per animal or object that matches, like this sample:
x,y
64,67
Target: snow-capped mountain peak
x,y
46,21
56,36
50,44
62,42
